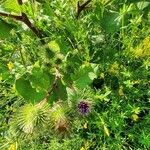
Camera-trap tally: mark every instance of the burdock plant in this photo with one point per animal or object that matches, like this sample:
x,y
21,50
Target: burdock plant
x,y
59,119
84,107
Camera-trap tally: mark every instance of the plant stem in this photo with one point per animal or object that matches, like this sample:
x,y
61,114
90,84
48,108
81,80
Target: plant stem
x,y
45,100
81,7
24,18
23,61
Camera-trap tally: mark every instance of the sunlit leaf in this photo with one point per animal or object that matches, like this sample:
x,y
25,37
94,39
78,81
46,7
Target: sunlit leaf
x,y
12,6
53,45
83,77
106,131
143,4
25,89
41,79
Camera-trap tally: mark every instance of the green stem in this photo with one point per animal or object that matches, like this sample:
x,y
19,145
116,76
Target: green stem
x,y
23,61
122,26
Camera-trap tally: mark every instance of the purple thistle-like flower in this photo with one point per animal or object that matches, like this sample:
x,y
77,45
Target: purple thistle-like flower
x,y
83,107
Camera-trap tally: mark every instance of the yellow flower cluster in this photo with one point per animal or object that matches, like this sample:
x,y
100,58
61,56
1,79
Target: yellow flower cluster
x,y
135,116
143,49
12,147
10,66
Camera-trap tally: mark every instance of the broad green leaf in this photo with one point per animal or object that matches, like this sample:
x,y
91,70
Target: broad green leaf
x,y
59,92
109,22
5,29
41,80
25,89
83,77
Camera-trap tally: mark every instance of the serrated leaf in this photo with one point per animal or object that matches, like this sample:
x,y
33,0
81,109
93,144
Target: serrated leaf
x,y
40,79
83,77
5,29
25,89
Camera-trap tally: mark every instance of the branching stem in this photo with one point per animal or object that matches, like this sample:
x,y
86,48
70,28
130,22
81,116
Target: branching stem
x,y
45,100
81,7
24,18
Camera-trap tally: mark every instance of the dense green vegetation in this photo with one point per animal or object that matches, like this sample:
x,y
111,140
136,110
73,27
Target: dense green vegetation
x,y
74,75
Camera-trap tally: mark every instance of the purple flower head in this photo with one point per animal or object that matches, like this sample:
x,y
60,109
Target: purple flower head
x,y
83,107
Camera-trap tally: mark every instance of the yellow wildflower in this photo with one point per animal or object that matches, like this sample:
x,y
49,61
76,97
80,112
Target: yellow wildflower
x,y
135,117
12,147
82,148
85,126
10,66
143,49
